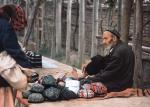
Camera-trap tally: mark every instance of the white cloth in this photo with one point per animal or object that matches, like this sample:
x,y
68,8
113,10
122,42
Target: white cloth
x,y
48,64
6,62
73,85
13,73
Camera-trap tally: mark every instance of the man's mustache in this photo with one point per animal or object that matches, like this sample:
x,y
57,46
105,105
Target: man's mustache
x,y
107,46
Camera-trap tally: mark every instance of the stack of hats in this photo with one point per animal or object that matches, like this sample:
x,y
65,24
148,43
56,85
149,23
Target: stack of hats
x,y
113,31
34,59
47,89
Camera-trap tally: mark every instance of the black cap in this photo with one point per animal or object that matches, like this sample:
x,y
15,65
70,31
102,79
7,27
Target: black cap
x,y
114,32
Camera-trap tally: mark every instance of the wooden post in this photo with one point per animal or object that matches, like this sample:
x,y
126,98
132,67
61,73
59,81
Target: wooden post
x,y
81,46
119,15
41,25
53,39
125,19
137,44
58,26
95,23
31,21
68,31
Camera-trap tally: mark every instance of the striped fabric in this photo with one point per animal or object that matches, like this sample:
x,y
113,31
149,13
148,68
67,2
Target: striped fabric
x,y
20,21
83,93
34,59
92,90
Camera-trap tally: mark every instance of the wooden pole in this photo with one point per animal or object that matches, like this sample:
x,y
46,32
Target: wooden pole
x,y
119,15
137,44
58,26
68,31
81,46
31,22
95,23
41,35
125,19
53,39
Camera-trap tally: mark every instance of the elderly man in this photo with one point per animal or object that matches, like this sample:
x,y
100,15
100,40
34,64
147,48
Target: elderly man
x,y
117,69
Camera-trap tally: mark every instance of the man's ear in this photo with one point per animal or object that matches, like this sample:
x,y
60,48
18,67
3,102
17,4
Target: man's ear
x,y
115,39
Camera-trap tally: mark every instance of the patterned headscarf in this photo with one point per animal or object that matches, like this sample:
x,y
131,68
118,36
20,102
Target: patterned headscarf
x,y
20,21
16,16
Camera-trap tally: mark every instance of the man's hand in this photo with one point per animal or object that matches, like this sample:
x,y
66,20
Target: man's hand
x,y
20,99
84,72
31,74
33,78
83,67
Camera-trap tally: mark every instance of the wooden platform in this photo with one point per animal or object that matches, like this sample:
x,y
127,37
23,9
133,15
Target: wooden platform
x,y
62,68
114,102
95,102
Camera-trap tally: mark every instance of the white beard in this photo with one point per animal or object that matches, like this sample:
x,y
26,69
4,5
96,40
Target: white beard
x,y
107,49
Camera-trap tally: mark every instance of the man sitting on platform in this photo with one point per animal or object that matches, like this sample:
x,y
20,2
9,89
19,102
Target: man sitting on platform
x,y
115,69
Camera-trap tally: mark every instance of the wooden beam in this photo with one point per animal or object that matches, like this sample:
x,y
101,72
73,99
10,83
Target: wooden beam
x,y
144,48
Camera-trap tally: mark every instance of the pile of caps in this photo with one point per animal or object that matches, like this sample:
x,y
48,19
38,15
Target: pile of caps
x,y
48,89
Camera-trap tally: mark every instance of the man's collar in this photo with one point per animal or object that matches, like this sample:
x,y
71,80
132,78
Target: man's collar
x,y
114,46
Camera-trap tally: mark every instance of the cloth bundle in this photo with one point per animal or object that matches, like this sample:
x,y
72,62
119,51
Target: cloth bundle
x,y
73,85
92,90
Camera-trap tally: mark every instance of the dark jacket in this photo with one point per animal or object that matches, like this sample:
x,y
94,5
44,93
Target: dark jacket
x,y
97,63
118,72
9,43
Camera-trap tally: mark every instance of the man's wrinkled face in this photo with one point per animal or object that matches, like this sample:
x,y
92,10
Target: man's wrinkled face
x,y
107,42
107,39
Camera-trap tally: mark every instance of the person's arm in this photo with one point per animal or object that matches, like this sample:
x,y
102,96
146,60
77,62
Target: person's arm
x,y
94,58
84,73
11,46
111,71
